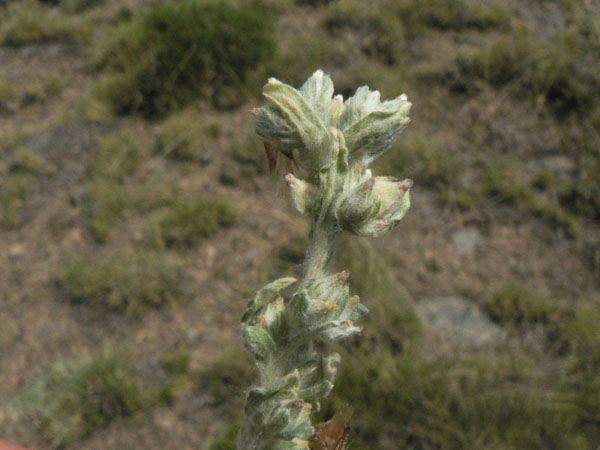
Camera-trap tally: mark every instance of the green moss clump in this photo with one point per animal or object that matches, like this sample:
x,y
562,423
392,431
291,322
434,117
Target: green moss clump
x,y
190,219
518,303
124,282
177,50
72,400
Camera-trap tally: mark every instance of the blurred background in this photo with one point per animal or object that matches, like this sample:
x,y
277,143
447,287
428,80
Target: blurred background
x,y
137,216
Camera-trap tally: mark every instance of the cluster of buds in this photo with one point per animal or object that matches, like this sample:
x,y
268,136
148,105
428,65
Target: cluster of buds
x,y
372,206
333,142
310,123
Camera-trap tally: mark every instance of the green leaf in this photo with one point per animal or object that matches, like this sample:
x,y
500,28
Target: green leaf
x,y
259,342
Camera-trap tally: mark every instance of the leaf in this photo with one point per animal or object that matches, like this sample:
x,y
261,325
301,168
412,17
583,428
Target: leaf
x,y
259,342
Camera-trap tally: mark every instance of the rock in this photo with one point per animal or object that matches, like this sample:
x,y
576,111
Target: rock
x,y
466,240
458,324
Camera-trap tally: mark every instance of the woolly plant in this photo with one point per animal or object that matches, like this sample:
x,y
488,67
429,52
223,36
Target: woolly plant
x,y
287,323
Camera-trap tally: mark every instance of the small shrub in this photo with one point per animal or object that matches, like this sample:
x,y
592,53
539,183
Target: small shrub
x,y
180,48
72,400
581,331
117,158
29,21
518,303
12,191
24,170
105,202
27,162
189,220
124,282
505,178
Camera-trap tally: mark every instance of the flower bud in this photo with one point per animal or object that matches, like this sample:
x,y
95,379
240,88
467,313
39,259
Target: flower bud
x,y
298,119
375,206
303,193
358,206
394,203
371,126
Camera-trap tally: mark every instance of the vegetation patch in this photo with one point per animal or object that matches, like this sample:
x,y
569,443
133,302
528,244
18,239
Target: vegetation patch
x,y
561,69
184,49
28,21
12,190
382,32
392,321
24,169
426,159
72,400
184,137
190,219
25,161
125,282
453,404
108,197
506,179
453,15
518,303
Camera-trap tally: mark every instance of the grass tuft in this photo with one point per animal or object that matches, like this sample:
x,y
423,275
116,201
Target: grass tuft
x,y
189,220
518,303
124,282
25,161
29,22
183,138
72,400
